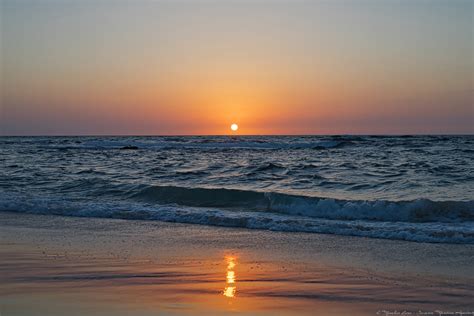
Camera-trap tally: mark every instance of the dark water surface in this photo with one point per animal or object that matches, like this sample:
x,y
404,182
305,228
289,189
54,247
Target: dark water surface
x,y
418,188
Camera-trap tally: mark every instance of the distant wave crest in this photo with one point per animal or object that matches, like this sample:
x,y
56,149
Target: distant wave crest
x,y
173,143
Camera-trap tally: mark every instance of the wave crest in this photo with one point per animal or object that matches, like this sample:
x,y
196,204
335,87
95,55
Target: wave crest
x,y
462,233
420,210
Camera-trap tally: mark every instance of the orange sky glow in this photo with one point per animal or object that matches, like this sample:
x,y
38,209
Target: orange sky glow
x,y
160,68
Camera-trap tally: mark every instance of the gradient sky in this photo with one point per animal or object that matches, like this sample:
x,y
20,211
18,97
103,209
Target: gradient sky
x,y
274,67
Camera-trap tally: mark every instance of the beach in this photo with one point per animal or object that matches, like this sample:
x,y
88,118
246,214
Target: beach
x,y
55,265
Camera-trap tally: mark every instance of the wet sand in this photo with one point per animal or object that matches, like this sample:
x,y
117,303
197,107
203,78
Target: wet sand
x,y
53,265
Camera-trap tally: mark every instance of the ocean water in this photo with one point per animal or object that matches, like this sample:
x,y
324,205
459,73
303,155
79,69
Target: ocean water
x,y
416,188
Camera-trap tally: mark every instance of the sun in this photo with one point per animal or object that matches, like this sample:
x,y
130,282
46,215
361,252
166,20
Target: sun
x,y
234,127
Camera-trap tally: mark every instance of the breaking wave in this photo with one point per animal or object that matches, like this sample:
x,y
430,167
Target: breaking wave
x,y
420,220
420,210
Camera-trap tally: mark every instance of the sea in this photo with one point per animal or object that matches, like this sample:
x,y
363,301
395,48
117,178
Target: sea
x,y
413,188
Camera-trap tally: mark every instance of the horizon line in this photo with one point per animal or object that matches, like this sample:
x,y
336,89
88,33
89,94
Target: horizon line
x,y
233,135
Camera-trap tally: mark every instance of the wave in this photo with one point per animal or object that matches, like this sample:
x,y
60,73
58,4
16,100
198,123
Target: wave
x,y
419,210
202,144
436,232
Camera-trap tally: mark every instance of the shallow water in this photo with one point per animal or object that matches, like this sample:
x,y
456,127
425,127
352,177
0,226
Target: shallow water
x,y
418,188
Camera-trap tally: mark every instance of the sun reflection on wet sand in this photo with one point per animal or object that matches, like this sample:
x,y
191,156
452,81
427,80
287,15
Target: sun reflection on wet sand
x,y
230,287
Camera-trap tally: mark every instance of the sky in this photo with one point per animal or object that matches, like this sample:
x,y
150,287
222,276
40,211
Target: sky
x,y
151,67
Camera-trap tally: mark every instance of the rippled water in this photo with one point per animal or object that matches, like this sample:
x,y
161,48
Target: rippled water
x,y
409,187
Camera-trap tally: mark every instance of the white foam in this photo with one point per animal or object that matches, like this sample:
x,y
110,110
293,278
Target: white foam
x,y
420,210
420,232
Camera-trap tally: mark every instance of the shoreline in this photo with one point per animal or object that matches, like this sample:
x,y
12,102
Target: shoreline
x,y
114,266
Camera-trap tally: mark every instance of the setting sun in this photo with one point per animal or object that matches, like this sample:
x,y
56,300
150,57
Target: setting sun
x,y
234,127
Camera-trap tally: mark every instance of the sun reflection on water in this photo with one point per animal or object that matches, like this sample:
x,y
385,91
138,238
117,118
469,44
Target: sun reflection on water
x,y
230,287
